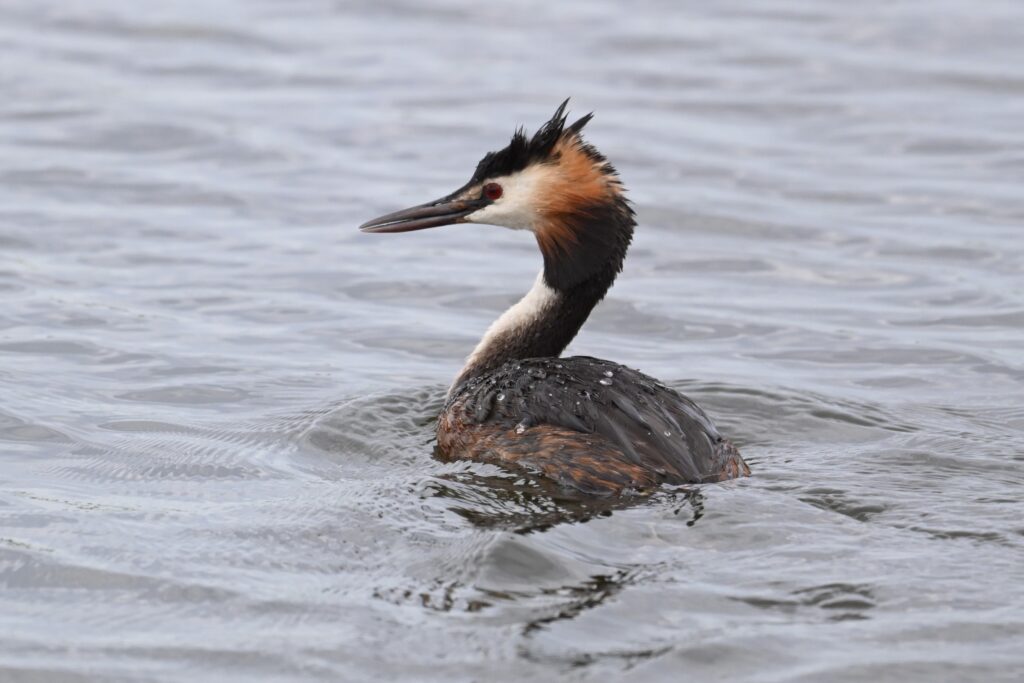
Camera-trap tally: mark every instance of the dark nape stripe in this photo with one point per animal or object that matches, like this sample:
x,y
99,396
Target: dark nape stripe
x,y
602,233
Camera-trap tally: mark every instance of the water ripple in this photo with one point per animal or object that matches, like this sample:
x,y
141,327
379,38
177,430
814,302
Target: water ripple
x,y
218,397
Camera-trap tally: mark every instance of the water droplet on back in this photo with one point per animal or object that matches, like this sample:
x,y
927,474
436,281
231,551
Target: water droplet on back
x,y
605,381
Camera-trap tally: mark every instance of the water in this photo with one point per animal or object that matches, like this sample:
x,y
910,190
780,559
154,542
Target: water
x,y
216,395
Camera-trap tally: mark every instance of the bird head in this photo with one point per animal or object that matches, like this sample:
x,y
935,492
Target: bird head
x,y
552,183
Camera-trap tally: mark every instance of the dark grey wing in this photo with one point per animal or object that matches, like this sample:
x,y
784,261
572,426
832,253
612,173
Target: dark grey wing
x,y
654,427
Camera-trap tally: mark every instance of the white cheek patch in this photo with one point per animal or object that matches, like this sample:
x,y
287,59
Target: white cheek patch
x,y
519,196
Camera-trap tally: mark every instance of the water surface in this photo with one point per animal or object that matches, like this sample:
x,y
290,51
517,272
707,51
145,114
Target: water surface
x,y
216,395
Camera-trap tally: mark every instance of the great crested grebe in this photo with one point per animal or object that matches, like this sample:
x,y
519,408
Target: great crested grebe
x,y
590,425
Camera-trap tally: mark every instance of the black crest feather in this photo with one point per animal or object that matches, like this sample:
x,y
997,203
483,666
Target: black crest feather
x,y
523,151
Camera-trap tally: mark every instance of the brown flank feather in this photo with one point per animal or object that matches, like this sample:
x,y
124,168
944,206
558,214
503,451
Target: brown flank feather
x,y
588,463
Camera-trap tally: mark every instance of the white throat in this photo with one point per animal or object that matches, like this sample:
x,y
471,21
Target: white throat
x,y
537,301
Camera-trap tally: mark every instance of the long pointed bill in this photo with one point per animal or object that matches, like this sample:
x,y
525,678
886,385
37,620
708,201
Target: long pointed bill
x,y
430,215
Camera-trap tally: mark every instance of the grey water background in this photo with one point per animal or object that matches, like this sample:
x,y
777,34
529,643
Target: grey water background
x,y
216,395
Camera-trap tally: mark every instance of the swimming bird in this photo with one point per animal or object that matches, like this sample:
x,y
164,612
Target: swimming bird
x,y
590,425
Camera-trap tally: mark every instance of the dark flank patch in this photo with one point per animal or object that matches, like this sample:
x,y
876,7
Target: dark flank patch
x,y
588,424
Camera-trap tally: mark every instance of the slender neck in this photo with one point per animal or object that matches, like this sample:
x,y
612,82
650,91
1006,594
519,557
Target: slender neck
x,y
543,322
540,325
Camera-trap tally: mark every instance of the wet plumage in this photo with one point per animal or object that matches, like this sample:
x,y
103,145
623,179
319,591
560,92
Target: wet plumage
x,y
587,423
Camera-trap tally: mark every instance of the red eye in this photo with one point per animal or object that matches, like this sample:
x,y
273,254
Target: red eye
x,y
492,191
